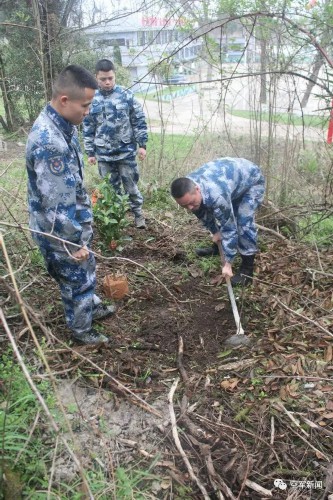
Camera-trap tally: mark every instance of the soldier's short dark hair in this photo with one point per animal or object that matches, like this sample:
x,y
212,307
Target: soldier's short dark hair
x,y
104,65
181,186
71,78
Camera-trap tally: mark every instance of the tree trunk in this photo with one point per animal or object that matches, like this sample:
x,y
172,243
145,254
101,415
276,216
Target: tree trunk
x,y
318,62
263,75
7,101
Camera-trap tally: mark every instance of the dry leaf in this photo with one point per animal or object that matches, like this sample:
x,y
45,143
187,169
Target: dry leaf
x,y
299,366
165,483
329,353
329,405
230,384
217,280
327,415
283,393
194,273
326,388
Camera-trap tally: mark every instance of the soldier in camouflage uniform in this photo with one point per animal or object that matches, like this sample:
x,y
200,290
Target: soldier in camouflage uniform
x,y
115,128
225,194
59,204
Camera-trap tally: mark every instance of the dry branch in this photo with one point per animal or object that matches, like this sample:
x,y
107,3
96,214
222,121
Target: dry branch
x,y
280,407
304,317
271,231
178,443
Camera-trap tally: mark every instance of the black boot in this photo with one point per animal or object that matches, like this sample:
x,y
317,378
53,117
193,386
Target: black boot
x,y
208,251
245,274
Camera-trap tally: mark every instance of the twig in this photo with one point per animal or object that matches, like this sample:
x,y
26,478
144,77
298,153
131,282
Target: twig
x,y
304,377
259,489
180,360
304,317
52,468
313,272
272,430
271,231
243,431
280,406
315,426
216,478
97,255
243,363
178,443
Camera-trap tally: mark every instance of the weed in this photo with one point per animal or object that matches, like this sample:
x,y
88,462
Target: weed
x,y
308,162
20,452
209,265
156,197
131,483
36,258
317,228
183,492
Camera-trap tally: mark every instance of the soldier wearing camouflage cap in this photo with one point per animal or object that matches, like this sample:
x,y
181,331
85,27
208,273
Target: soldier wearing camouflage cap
x,y
114,132
225,194
59,204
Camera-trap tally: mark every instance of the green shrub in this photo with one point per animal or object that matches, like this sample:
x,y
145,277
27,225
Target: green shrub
x,y
110,214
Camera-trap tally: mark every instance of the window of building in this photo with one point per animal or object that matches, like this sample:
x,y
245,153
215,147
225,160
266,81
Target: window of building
x,y
111,42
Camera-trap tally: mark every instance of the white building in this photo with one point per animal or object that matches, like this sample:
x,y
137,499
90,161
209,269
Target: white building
x,y
145,40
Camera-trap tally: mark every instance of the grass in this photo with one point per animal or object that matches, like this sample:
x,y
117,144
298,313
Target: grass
x,y
317,229
172,147
26,441
282,118
165,91
166,155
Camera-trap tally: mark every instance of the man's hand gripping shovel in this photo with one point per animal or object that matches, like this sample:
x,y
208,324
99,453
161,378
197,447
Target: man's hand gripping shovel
x,y
239,338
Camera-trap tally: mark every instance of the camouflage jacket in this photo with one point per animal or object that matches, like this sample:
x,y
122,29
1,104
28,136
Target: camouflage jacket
x,y
115,125
221,182
58,201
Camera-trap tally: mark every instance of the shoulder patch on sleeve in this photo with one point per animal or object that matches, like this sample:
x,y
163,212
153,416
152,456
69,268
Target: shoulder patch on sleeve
x,y
56,165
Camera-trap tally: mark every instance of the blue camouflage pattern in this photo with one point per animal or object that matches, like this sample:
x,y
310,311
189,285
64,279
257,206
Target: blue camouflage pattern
x,y
232,190
116,124
59,205
77,282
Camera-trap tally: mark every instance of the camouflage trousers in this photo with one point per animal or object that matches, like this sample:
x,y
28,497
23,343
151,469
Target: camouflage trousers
x,y
124,172
244,209
77,282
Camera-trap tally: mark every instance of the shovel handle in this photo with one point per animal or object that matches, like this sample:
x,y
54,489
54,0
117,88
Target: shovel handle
x,y
240,330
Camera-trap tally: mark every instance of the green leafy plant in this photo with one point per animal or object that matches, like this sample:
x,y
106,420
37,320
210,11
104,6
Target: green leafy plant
x,y
317,228
110,214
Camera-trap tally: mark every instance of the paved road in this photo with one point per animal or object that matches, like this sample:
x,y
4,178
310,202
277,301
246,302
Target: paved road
x,y
191,114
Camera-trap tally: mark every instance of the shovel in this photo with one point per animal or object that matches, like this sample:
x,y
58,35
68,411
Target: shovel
x,y
239,338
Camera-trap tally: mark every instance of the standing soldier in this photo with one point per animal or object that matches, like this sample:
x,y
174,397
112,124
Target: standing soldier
x,y
59,204
225,194
113,130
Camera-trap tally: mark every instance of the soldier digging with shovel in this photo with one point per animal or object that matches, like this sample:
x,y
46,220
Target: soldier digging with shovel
x,y
225,194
